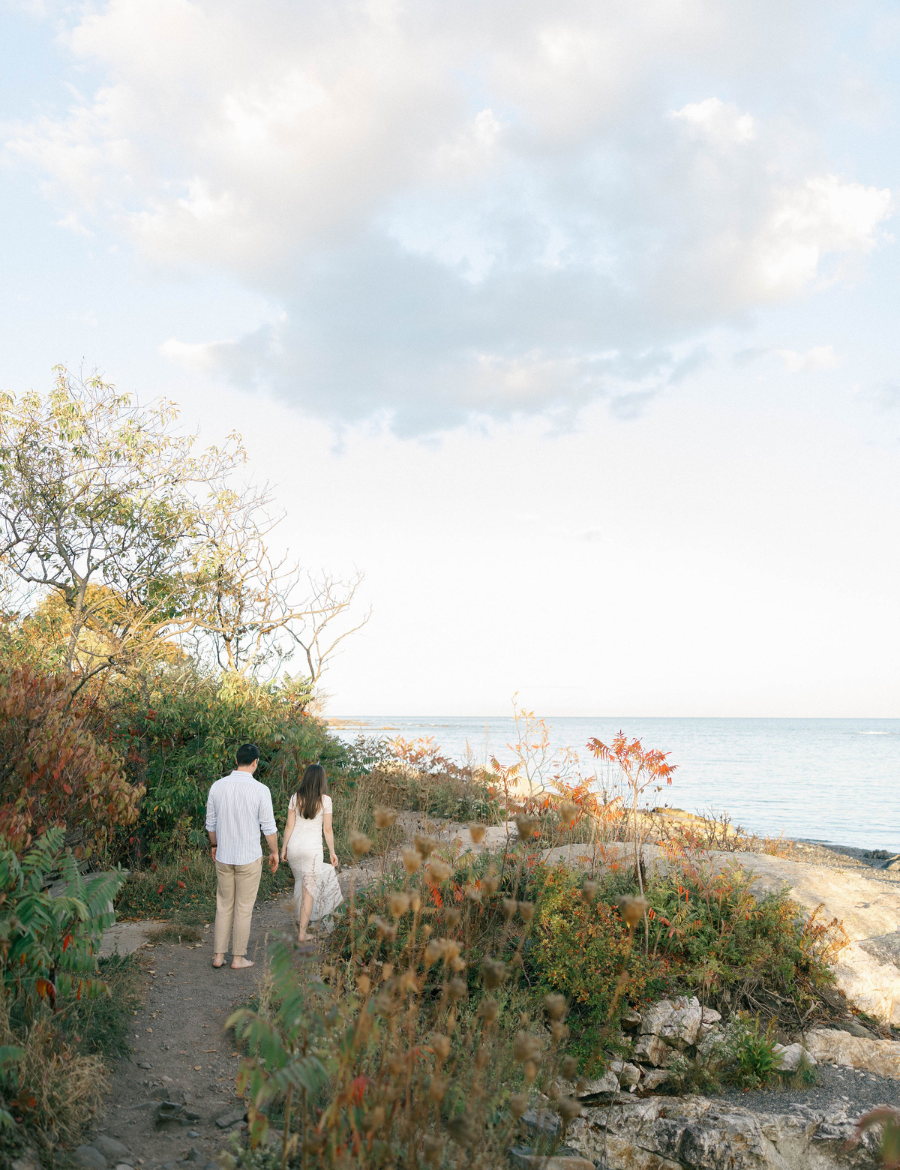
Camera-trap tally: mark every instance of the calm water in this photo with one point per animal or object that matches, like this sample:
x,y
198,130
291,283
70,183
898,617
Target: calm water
x,y
830,780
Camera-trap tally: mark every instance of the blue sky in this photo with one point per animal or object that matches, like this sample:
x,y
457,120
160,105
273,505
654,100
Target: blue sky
x,y
575,331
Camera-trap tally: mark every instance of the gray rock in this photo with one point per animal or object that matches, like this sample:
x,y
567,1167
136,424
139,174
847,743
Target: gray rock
x,y
631,1020
681,1027
25,1162
524,1158
124,1166
792,1056
891,863
655,1017
89,1158
111,1149
170,1093
608,1083
856,1029
193,1155
884,947
227,1120
653,1078
626,1074
143,1064
650,1049
710,1016
542,1121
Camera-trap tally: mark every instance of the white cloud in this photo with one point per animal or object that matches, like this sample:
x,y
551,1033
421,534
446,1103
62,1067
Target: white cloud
x,y
821,357
458,209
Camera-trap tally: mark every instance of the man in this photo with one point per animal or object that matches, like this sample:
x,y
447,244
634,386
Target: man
x,y
238,809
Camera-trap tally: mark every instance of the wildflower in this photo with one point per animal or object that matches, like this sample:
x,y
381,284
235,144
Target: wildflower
x,y
555,1005
526,826
518,1104
489,1010
569,1067
526,1047
509,907
477,832
456,989
438,870
493,972
399,903
567,814
632,910
526,911
441,1046
425,845
359,843
589,891
384,817
412,861
568,1108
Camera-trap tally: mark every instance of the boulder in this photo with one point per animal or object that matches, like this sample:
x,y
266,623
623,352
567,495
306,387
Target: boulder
x,y
631,1021
111,1148
608,1083
625,1073
792,1056
681,1027
881,1057
656,1017
525,1159
710,1017
651,1049
89,1158
694,1133
653,1078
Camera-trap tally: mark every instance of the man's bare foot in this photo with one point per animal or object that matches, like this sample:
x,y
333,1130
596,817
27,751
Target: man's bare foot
x,y
239,961
301,938
218,961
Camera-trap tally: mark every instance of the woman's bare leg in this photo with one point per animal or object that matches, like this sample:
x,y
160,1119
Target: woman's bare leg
x,y
306,905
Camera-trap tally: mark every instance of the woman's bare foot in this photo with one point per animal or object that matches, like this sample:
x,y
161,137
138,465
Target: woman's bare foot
x,y
218,961
239,961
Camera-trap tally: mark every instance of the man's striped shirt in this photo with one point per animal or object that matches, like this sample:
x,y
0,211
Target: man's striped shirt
x,y
238,809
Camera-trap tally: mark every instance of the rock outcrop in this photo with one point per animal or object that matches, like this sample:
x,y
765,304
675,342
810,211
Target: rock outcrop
x,y
671,1133
834,1046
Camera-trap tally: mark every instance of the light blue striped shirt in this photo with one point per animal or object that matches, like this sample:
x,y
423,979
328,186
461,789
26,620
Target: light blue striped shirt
x,y
238,809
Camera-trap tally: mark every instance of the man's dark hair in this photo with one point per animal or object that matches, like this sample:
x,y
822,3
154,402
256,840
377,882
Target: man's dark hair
x,y
247,754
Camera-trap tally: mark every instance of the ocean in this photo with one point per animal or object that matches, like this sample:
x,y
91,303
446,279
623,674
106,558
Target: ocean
x,y
835,781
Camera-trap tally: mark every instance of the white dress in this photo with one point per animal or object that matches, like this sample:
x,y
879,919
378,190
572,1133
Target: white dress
x,y
310,869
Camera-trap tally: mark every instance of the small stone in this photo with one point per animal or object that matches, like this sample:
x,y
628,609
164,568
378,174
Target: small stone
x,y
124,1166
25,1162
653,1078
791,1056
89,1158
193,1133
631,1020
650,1049
193,1155
111,1149
608,1083
144,1064
710,1016
227,1120
626,1074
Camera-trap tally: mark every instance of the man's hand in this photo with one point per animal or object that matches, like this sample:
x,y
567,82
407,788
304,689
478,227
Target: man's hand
x,y
212,853
273,862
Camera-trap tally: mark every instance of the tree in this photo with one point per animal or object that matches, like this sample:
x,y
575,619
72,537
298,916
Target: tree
x,y
100,499
254,609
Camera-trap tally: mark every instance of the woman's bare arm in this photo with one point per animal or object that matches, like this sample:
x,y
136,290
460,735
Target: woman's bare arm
x,y
288,829
328,830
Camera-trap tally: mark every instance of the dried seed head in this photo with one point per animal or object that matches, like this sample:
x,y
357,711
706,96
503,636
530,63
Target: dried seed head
x,y
489,1010
329,972
456,990
473,893
399,903
451,950
438,871
526,911
458,964
632,910
509,907
359,843
415,901
518,1104
555,1005
526,1047
408,981
384,817
412,860
460,1129
493,972
387,971
568,1108
425,845
529,1071
441,1046
559,1031
589,891
552,1092
452,918
433,952
476,832
526,826
374,1120
490,881
383,1004
396,1065
385,929
432,1150
482,1059
437,1090
363,982
427,930
569,1067
567,814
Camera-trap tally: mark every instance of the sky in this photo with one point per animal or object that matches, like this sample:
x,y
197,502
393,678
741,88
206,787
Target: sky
x,y
571,325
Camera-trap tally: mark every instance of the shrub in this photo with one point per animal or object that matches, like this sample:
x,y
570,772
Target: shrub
x,y
53,769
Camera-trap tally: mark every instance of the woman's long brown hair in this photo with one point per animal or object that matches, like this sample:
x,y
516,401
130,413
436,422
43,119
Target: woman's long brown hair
x,y
312,788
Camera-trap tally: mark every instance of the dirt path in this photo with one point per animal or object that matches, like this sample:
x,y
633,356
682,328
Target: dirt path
x,y
181,1053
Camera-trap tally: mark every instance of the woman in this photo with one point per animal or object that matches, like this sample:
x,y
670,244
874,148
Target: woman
x,y
316,889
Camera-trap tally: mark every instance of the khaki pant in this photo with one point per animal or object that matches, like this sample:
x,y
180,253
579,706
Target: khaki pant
x,y
235,899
